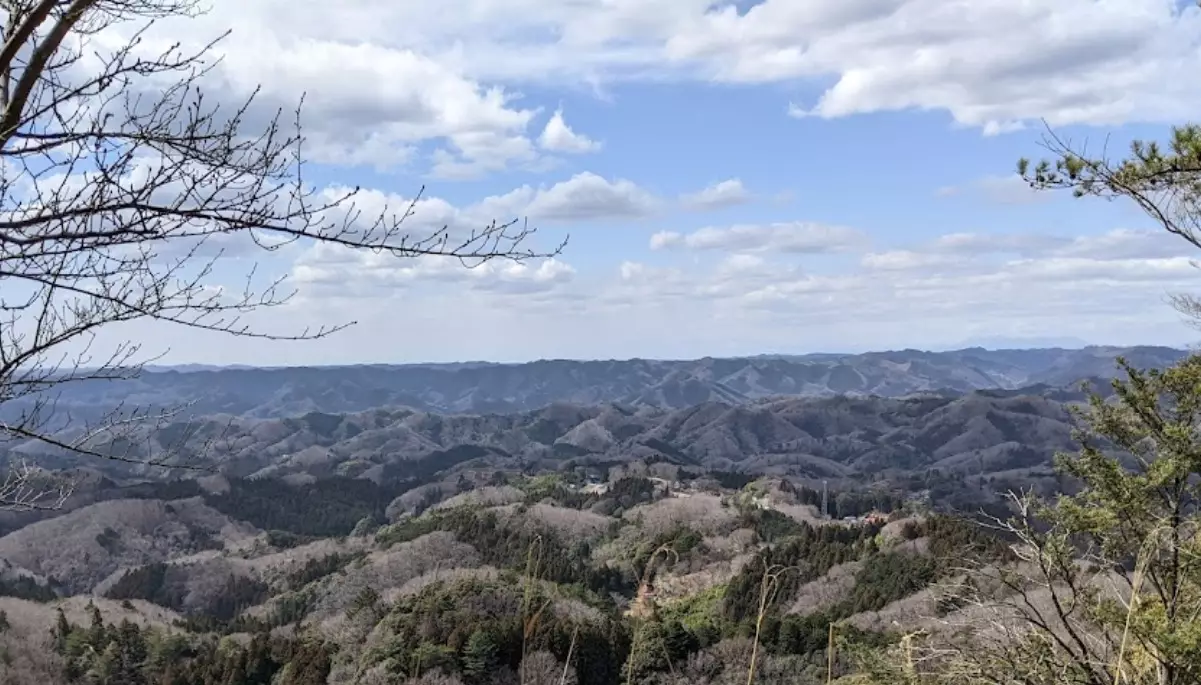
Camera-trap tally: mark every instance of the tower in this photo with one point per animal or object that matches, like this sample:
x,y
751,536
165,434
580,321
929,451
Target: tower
x,y
825,499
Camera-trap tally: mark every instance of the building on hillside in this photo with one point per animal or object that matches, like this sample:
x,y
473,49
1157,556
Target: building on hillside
x,y
875,517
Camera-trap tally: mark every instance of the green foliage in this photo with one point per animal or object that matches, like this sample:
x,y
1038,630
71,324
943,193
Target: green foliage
x,y
367,600
409,529
699,614
679,543
481,655
732,479
809,554
770,525
25,587
886,578
956,537
316,569
1149,168
459,626
325,508
283,539
153,583
510,546
124,654
631,491
1129,529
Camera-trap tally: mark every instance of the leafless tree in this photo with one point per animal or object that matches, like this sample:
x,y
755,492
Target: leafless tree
x,y
121,185
1056,612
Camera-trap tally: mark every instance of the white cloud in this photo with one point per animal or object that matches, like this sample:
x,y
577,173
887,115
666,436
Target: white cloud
x,y
726,193
381,77
327,271
342,272
391,84
557,136
1115,244
588,196
744,302
778,237
583,197
366,102
1119,253
991,64
903,260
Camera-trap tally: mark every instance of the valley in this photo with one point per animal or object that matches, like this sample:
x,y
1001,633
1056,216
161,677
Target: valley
x,y
376,535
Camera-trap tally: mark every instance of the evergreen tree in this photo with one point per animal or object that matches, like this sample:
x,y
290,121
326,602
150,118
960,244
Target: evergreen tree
x,y
366,600
61,631
1107,588
480,656
97,636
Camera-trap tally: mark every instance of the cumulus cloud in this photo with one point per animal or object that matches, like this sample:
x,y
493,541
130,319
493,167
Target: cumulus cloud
x,y
994,65
587,196
743,302
1156,252
332,272
990,63
557,136
366,102
391,84
582,197
338,271
1119,243
800,237
726,193
384,78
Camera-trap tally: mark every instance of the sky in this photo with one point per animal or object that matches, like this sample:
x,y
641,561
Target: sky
x,y
732,178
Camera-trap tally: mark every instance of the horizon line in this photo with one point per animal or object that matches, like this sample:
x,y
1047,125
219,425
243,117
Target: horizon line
x,y
193,367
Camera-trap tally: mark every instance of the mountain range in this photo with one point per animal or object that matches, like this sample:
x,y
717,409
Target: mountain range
x,y
336,502
837,438
482,388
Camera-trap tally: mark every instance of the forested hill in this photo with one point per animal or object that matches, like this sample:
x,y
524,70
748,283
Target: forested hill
x,y
504,388
1008,433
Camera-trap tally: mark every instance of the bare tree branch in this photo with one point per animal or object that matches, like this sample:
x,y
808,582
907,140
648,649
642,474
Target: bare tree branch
x,y
119,183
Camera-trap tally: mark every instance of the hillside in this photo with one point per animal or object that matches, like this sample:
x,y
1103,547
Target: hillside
x,y
818,438
457,582
506,388
575,542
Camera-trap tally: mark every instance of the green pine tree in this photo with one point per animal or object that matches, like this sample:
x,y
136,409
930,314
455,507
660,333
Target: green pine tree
x,y
480,656
1162,180
1107,588
97,636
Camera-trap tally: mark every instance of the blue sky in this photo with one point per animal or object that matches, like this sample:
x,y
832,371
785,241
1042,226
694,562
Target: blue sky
x,y
858,154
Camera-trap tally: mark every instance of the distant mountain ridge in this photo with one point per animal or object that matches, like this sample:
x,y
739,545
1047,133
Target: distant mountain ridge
x,y
826,437
481,388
